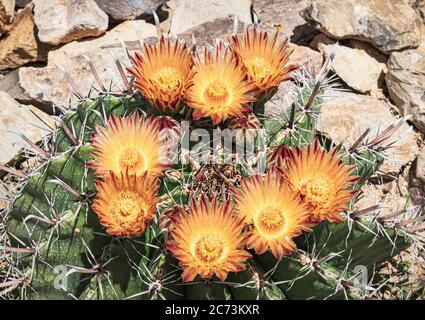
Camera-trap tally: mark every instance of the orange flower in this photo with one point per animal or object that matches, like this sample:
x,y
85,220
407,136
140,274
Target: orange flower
x,y
322,181
163,73
126,204
266,61
219,90
274,214
130,144
208,241
278,157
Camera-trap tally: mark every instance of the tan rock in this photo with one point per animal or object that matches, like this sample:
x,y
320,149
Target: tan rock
x,y
189,14
8,6
49,83
20,46
306,58
18,119
406,84
345,116
3,195
423,36
7,12
61,21
419,6
387,25
391,200
361,67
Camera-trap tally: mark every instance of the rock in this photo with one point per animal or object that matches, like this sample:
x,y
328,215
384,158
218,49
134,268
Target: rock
x,y
387,25
20,46
16,118
129,9
417,172
49,84
165,13
304,56
406,84
7,12
283,15
189,14
208,32
8,6
419,6
3,203
22,3
361,67
345,116
61,21
10,84
423,37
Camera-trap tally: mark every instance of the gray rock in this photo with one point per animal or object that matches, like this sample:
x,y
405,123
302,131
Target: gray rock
x,y
387,25
129,9
62,21
345,116
208,32
417,178
417,172
406,84
283,15
10,84
189,14
19,119
22,3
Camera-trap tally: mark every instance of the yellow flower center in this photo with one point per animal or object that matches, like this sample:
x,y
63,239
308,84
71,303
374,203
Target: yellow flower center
x,y
127,207
270,221
258,68
318,191
217,93
132,160
209,248
167,78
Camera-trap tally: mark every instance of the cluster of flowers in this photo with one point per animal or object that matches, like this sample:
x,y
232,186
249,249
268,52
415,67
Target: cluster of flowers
x,y
217,85
210,237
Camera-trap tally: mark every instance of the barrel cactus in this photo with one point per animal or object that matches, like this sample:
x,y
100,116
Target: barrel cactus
x,y
111,210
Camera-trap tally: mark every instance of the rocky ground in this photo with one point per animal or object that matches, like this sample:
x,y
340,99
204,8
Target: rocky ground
x,y
379,66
